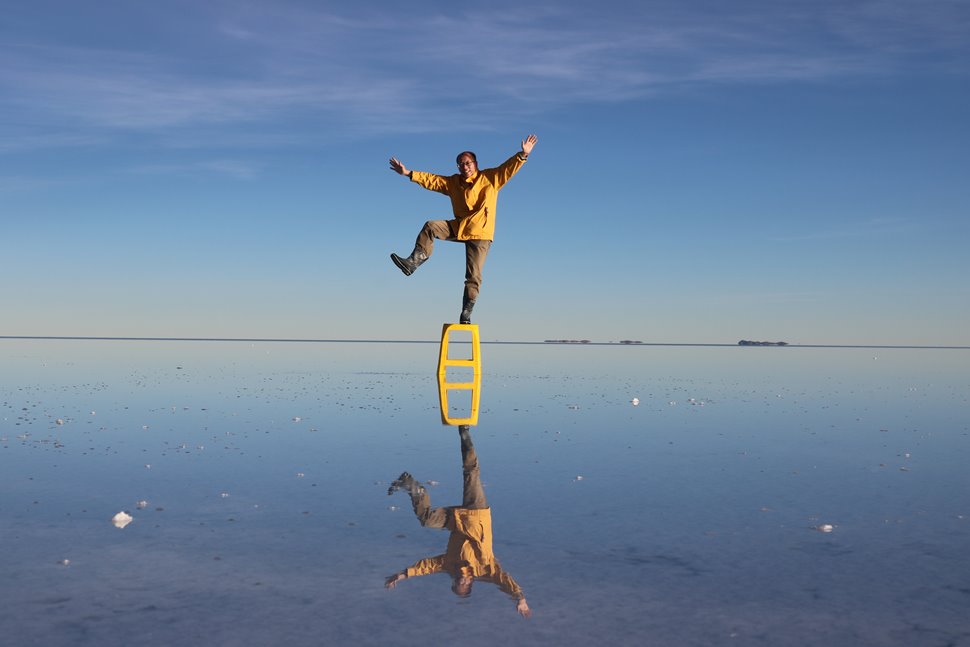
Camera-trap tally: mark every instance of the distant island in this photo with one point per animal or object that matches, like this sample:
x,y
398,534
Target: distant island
x,y
634,342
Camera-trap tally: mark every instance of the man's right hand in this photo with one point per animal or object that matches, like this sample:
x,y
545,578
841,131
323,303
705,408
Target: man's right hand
x,y
398,168
392,581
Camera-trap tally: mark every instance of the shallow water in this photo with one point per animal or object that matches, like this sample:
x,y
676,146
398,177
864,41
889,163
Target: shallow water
x,y
257,474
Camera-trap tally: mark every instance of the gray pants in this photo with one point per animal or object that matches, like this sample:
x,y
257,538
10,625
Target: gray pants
x,y
473,495
475,252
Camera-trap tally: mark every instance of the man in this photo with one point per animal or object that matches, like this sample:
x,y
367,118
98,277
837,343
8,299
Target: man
x,y
468,556
473,196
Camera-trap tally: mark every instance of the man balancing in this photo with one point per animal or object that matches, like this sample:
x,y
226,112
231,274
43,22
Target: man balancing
x,y
473,196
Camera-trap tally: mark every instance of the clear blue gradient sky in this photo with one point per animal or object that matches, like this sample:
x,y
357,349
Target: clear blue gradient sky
x,y
706,171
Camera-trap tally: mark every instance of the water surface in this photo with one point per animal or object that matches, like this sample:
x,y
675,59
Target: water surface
x,y
257,474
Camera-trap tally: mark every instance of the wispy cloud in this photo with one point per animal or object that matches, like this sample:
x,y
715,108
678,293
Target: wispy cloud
x,y
238,169
903,27
270,64
13,183
131,91
12,141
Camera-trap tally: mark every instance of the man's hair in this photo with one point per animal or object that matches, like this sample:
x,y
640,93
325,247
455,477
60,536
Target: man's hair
x,y
463,153
459,592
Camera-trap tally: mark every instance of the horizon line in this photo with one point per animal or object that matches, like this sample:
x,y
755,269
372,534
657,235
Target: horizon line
x,y
497,342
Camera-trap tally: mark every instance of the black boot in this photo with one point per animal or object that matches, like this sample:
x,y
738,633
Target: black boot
x,y
466,311
411,263
404,482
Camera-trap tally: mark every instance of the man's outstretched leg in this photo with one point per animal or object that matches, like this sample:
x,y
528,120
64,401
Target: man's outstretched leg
x,y
420,501
423,246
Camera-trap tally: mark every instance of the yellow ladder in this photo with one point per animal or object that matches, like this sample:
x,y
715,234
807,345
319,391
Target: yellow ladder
x,y
475,363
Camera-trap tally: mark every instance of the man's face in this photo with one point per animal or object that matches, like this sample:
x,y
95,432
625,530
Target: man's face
x,y
467,166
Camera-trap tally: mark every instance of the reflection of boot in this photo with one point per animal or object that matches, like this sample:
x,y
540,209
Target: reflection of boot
x,y
466,311
404,482
411,263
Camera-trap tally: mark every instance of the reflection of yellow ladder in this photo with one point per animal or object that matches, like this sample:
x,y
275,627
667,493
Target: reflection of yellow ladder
x,y
474,363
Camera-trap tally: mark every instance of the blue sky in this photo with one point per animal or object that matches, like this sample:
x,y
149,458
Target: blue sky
x,y
706,171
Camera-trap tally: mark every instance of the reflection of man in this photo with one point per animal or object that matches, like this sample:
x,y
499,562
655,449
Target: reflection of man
x,y
468,556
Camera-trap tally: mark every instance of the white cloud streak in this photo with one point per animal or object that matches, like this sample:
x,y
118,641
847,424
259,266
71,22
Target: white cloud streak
x,y
378,72
238,169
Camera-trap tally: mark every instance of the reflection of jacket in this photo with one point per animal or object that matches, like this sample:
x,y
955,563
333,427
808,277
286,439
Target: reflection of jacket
x,y
473,200
469,552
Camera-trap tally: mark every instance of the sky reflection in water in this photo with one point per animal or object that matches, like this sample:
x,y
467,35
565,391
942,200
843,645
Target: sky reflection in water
x,y
691,519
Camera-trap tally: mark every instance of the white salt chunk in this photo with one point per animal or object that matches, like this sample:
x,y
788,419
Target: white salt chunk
x,y
121,519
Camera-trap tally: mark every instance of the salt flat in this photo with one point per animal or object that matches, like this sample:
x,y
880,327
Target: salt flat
x,y
756,496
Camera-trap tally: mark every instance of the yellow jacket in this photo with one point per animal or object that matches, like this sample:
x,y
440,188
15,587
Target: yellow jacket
x,y
472,200
469,552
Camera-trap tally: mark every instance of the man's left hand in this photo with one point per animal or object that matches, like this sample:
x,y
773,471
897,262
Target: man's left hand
x,y
528,143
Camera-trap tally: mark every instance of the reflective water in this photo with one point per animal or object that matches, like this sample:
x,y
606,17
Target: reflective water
x,y
753,496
